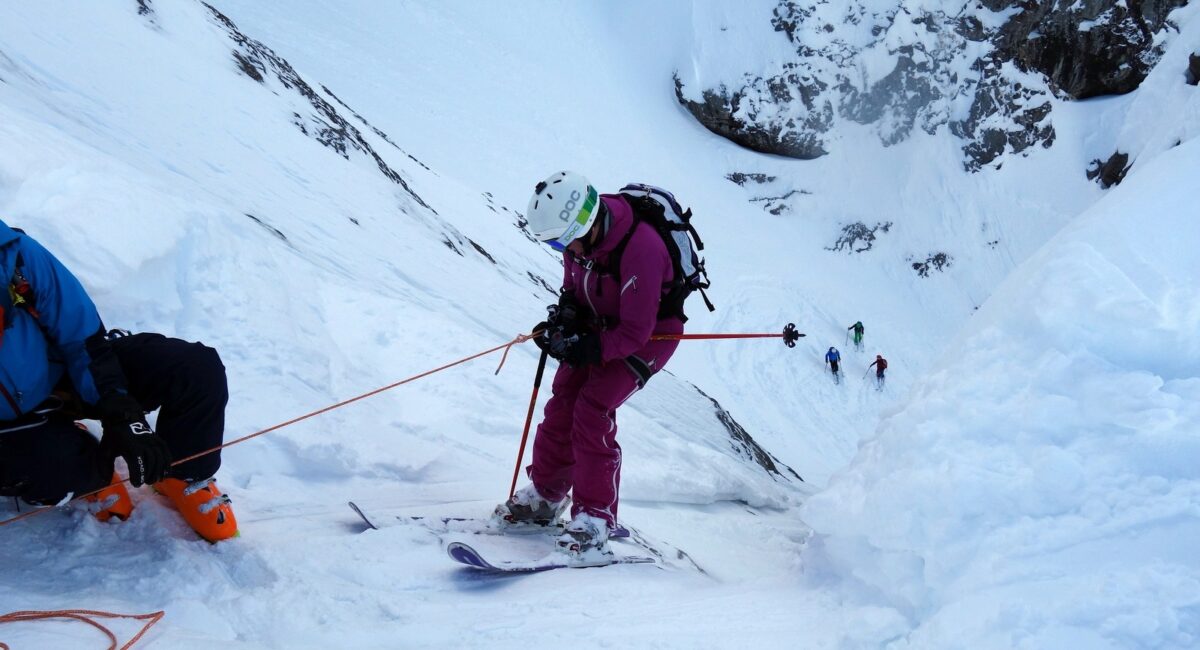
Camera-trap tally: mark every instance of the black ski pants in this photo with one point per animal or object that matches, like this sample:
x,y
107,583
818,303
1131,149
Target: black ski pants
x,y
44,458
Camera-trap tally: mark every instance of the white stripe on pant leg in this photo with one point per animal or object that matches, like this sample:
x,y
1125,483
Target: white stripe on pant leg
x,y
612,424
608,510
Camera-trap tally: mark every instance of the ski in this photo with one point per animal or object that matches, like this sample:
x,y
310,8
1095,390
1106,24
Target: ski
x,y
656,550
469,525
465,554
444,523
362,515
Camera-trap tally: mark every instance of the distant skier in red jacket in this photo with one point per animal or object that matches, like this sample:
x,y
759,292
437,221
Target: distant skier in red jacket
x,y
880,366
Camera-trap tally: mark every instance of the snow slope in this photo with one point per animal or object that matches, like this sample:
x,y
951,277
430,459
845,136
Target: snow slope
x,y
480,98
1039,487
194,200
1046,468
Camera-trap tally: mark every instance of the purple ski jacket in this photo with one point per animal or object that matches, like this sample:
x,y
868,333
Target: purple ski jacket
x,y
627,305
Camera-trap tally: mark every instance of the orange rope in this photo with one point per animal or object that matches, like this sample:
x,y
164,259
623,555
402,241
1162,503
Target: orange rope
x,y
85,616
521,338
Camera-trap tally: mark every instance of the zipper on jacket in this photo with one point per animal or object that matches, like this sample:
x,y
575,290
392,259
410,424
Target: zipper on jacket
x,y
631,281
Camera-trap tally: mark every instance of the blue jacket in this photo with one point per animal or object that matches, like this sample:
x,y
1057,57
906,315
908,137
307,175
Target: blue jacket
x,y
833,355
67,337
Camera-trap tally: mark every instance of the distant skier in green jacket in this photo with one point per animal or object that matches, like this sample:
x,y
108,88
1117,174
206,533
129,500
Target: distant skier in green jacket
x,y
858,334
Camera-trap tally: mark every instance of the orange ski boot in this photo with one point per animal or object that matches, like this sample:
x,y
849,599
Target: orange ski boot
x,y
202,504
112,501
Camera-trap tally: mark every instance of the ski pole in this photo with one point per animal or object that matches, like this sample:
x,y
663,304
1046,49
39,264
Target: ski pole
x,y
789,336
537,383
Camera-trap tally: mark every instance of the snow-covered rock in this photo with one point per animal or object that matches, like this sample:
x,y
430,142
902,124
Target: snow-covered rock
x,y
989,71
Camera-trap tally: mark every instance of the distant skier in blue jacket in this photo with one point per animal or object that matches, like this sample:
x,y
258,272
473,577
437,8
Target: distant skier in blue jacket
x,y
59,364
833,358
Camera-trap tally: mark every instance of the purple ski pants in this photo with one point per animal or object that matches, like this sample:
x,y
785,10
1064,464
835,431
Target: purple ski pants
x,y
576,446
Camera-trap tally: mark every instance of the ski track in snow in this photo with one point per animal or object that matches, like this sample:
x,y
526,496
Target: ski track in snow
x,y
1027,478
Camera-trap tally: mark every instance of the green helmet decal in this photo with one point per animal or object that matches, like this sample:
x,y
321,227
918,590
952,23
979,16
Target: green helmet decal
x,y
583,220
563,207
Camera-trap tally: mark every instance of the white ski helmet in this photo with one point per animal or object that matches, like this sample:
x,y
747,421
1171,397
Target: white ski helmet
x,y
562,209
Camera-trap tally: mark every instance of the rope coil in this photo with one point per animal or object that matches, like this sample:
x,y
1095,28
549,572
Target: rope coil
x,y
86,616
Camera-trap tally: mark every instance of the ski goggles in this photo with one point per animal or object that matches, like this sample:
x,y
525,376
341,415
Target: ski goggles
x,y
582,223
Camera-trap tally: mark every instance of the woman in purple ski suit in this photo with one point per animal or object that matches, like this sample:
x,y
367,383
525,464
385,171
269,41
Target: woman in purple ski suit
x,y
606,354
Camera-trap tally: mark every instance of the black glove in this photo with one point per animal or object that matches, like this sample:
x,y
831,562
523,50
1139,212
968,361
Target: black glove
x,y
577,350
566,313
553,339
126,434
542,335
562,319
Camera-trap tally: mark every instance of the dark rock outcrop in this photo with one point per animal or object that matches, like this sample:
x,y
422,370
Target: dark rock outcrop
x,y
1193,73
745,446
934,262
857,237
1109,172
777,205
719,109
741,178
1086,48
323,123
275,232
1026,110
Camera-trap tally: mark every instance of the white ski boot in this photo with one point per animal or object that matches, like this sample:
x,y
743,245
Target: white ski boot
x,y
585,541
527,508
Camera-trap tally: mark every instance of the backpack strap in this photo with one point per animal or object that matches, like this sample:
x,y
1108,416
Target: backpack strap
x,y
614,258
20,293
687,220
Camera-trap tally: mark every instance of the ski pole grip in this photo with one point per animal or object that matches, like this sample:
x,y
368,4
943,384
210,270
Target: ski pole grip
x,y
790,335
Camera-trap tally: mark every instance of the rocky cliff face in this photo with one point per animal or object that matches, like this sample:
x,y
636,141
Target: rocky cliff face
x,y
1085,48
989,70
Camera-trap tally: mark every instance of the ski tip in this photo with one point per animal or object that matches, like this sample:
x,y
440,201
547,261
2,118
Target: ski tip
x,y
362,515
464,554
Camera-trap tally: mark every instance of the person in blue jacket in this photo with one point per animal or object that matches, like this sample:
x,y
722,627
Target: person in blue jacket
x,y
833,358
59,364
